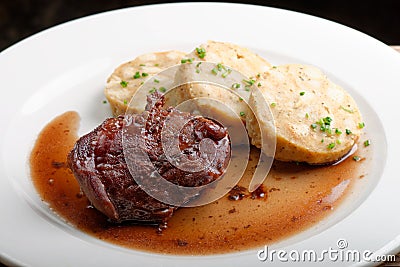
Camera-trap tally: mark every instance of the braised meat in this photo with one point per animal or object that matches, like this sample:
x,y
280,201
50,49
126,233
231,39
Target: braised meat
x,y
100,166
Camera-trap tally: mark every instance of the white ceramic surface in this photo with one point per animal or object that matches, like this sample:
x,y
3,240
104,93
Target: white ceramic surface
x,y
65,68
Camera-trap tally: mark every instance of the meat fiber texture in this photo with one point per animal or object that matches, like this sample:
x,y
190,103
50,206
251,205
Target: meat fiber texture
x,y
98,163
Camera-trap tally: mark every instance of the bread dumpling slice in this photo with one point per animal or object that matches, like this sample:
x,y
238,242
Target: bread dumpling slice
x,y
231,56
316,120
128,77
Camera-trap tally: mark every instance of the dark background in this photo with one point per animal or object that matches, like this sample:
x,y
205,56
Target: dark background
x,y
21,18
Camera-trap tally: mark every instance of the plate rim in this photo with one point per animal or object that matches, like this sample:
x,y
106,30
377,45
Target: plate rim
x,y
392,247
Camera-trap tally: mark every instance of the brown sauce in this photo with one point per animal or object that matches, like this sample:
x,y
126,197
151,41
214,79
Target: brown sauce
x,y
292,198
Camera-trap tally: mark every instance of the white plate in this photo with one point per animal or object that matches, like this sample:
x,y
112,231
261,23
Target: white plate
x,y
64,68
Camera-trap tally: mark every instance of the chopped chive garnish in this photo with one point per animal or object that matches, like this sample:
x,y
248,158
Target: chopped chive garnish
x,y
214,71
137,75
367,142
338,142
331,145
156,65
124,83
246,88
220,66
356,158
307,115
361,125
144,74
347,110
226,73
249,82
325,124
327,120
240,99
242,113
348,131
125,102
152,90
259,84
156,81
314,125
302,93
142,65
274,67
201,52
258,75
104,102
236,85
162,89
197,67
186,60
337,131
322,140
273,104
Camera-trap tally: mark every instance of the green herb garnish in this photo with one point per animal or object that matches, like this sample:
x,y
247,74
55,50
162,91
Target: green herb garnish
x,y
331,145
201,52
236,85
226,73
347,110
186,60
124,83
137,75
325,124
302,93
367,142
249,82
348,131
